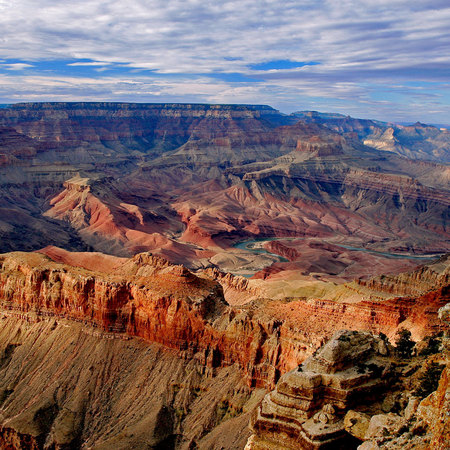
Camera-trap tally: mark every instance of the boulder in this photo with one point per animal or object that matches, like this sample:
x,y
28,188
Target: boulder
x,y
384,425
411,407
444,313
426,409
356,424
344,350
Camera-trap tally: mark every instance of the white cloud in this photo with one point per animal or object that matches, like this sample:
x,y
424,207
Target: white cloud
x,y
360,44
194,36
15,66
90,63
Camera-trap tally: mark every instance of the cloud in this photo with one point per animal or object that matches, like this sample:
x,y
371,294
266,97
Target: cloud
x,y
362,47
15,66
88,63
192,36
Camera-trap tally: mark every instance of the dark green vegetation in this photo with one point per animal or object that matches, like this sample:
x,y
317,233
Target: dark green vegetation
x,y
404,345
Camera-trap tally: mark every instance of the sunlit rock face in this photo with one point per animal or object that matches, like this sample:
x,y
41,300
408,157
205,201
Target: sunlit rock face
x,y
357,392
418,141
137,213
149,297
80,387
306,410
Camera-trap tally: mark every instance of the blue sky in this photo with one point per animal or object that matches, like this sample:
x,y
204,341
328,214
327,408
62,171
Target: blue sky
x,y
387,60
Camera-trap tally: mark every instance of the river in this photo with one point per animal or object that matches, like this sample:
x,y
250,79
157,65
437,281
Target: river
x,y
249,246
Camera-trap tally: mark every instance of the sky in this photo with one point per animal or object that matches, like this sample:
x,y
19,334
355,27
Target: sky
x,y
381,59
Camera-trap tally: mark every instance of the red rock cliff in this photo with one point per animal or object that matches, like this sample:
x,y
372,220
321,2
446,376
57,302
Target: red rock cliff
x,y
148,297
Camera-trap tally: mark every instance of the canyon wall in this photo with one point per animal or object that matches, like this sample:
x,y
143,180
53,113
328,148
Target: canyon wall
x,y
72,367
425,279
148,297
188,180
65,386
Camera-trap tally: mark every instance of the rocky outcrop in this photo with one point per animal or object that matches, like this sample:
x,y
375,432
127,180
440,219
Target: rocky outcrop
x,y
163,175
236,289
149,297
422,424
280,249
355,393
306,409
417,141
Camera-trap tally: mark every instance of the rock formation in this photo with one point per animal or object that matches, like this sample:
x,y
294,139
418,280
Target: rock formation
x,y
417,141
355,393
306,410
150,298
188,256
146,296
427,278
416,423
189,181
64,385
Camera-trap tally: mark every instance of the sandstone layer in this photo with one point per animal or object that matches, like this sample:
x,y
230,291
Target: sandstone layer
x,y
188,182
333,219
149,297
416,140
70,334
306,410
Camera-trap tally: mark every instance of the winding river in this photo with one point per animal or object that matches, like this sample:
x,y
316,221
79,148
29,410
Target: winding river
x,y
249,245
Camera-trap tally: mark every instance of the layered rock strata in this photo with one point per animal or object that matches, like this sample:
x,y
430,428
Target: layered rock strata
x,y
425,279
149,297
146,296
188,181
64,386
306,409
417,141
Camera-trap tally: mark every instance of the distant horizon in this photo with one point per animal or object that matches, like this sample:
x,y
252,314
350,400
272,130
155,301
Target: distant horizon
x,y
377,59
402,123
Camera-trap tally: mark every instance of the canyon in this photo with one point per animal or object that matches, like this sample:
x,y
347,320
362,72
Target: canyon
x,y
165,270
188,181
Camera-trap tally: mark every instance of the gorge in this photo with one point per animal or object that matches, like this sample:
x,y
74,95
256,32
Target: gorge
x,y
134,314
